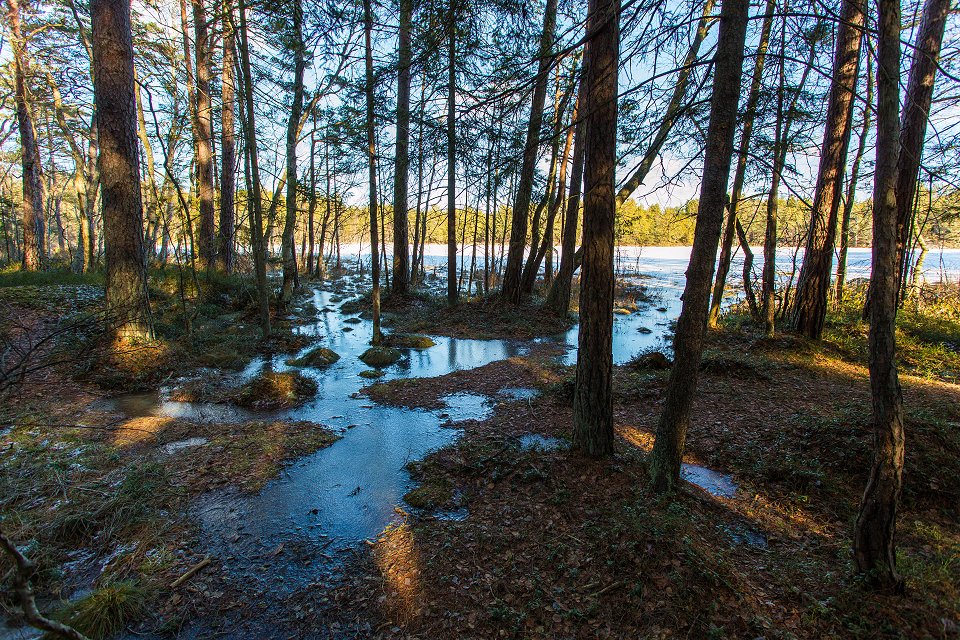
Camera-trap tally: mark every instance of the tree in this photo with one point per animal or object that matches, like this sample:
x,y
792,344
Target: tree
x,y
691,326
593,393
372,167
126,267
228,143
453,293
810,302
923,75
203,132
756,83
401,249
287,240
33,224
874,537
512,276
253,185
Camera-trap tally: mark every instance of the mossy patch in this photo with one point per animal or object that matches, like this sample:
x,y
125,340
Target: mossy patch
x,y
429,496
319,357
275,390
371,374
409,341
380,357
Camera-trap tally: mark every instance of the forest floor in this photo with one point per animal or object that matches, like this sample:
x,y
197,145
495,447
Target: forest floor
x,y
508,534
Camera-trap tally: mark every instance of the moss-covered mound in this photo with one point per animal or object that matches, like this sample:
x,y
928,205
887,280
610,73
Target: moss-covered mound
x,y
379,357
319,357
272,390
371,374
409,341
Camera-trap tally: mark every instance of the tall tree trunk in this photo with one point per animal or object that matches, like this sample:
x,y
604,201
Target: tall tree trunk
x,y
287,240
512,277
372,168
593,393
452,289
401,249
913,129
691,326
255,193
810,302
726,245
228,141
558,299
312,205
33,224
126,273
852,187
874,537
203,119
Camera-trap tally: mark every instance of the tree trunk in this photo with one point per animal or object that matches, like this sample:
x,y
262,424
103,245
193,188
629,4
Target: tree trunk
x,y
726,245
558,299
228,142
33,224
691,326
810,302
874,537
593,393
913,129
287,240
126,268
401,249
255,193
372,167
852,187
512,277
203,130
452,289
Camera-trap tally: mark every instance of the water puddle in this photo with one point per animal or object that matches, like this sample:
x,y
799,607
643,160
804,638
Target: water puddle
x,y
156,405
713,482
466,406
518,393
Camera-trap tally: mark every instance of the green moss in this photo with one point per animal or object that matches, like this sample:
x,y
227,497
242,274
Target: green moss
x,y
319,357
380,357
275,390
371,374
429,496
409,341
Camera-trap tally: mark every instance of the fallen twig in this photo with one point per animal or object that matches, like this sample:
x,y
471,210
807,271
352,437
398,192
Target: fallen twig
x,y
192,571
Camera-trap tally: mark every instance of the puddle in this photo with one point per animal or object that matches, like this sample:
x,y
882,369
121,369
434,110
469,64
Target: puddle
x,y
537,442
713,482
155,405
518,393
173,447
466,406
452,515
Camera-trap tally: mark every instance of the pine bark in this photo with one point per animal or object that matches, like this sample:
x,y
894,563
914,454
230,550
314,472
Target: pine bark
x,y
33,219
726,245
372,168
228,141
287,239
114,97
203,129
913,129
401,239
513,273
691,326
452,288
593,393
874,543
810,301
